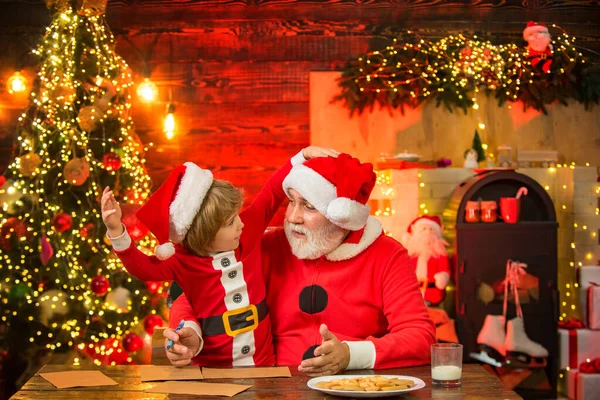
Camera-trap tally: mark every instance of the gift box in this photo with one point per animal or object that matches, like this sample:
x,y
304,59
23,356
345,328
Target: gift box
x,y
593,306
576,346
584,383
586,276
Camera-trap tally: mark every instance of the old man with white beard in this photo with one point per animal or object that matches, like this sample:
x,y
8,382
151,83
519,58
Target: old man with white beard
x,y
341,294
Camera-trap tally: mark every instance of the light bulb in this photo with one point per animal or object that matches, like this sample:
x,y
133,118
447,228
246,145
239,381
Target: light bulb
x,y
169,127
16,83
147,90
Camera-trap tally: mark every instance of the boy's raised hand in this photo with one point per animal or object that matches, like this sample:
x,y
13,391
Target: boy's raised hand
x,y
316,151
111,213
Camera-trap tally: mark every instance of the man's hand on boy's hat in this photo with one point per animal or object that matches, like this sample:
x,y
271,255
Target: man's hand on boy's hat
x,y
316,151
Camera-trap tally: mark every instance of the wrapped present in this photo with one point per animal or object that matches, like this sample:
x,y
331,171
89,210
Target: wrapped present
x,y
577,345
593,306
586,275
584,383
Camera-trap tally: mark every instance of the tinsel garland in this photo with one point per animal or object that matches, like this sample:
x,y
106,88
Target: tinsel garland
x,y
452,70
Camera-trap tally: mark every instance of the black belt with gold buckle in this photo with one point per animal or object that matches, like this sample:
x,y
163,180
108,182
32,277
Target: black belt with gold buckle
x,y
234,322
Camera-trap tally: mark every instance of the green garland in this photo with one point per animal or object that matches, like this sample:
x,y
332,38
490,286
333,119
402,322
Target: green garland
x,y
452,70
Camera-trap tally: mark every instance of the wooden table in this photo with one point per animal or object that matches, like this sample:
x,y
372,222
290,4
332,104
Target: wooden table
x,y
476,383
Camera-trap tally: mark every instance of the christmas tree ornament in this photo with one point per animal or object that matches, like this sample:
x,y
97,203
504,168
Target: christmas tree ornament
x,y
9,197
88,230
132,342
77,171
152,321
53,302
134,226
46,250
89,117
62,222
2,180
13,231
99,285
18,291
119,299
29,163
64,95
91,8
153,286
539,47
111,161
58,5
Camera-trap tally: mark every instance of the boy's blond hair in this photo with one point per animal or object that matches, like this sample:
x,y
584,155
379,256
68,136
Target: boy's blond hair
x,y
222,201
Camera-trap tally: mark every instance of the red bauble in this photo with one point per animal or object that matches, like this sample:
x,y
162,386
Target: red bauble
x,y
2,180
13,226
132,342
153,286
87,230
111,161
62,222
99,285
134,226
151,322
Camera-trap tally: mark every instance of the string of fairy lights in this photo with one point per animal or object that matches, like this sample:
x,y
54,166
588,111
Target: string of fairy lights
x,y
52,121
570,293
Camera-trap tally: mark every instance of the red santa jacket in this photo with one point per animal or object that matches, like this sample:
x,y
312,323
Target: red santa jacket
x,y
366,292
226,291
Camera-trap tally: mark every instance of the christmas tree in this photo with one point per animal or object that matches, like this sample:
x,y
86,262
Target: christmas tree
x,y
478,147
61,287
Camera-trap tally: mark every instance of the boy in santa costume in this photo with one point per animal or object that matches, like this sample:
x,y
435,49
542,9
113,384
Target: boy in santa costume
x,y
342,295
216,263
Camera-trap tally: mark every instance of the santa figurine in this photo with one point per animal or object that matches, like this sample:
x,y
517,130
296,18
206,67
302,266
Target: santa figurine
x,y
539,49
426,247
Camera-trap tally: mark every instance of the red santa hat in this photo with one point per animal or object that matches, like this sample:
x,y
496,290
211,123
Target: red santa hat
x,y
427,220
337,187
170,211
532,27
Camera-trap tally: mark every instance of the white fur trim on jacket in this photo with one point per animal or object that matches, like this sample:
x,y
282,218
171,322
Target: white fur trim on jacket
x,y
348,213
188,200
347,251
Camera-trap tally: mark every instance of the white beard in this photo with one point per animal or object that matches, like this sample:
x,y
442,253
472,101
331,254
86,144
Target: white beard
x,y
425,244
317,243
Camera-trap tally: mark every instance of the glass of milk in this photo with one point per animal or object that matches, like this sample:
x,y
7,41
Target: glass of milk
x,y
446,364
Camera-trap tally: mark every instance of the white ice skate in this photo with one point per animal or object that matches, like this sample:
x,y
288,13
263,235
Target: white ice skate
x,y
491,340
521,351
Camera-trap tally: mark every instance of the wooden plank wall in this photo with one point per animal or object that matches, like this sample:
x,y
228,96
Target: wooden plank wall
x,y
239,69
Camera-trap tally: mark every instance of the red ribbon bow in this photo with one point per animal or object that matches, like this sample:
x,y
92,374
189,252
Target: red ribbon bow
x,y
590,367
571,323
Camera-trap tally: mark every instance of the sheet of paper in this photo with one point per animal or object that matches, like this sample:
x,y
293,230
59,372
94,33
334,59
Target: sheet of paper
x,y
266,372
69,379
199,388
169,373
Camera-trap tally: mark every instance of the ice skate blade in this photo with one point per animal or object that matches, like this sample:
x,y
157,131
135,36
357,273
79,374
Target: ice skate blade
x,y
483,357
515,359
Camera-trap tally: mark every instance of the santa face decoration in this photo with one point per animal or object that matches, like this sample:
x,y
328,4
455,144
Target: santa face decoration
x,y
537,37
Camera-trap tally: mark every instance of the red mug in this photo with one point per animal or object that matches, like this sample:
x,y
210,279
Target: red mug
x,y
510,209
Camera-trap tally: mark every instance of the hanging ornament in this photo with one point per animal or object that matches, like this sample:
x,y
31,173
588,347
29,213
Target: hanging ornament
x,y
2,180
134,226
91,8
119,299
99,285
63,95
539,47
77,171
153,286
111,161
132,342
62,222
88,117
152,321
18,291
52,302
87,231
29,163
13,230
46,250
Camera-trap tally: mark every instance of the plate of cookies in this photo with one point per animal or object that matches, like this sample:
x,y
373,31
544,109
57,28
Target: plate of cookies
x,y
365,386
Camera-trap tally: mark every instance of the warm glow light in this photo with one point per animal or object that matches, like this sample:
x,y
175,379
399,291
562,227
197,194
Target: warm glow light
x,y
16,83
169,127
147,90
481,125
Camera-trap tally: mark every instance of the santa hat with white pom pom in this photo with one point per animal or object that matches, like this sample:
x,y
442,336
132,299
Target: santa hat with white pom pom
x,y
170,211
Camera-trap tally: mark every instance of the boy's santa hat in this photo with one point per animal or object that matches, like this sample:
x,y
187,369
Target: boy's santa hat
x,y
337,187
533,27
432,221
170,211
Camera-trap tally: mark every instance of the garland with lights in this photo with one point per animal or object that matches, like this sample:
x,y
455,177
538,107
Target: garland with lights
x,y
450,71
61,287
